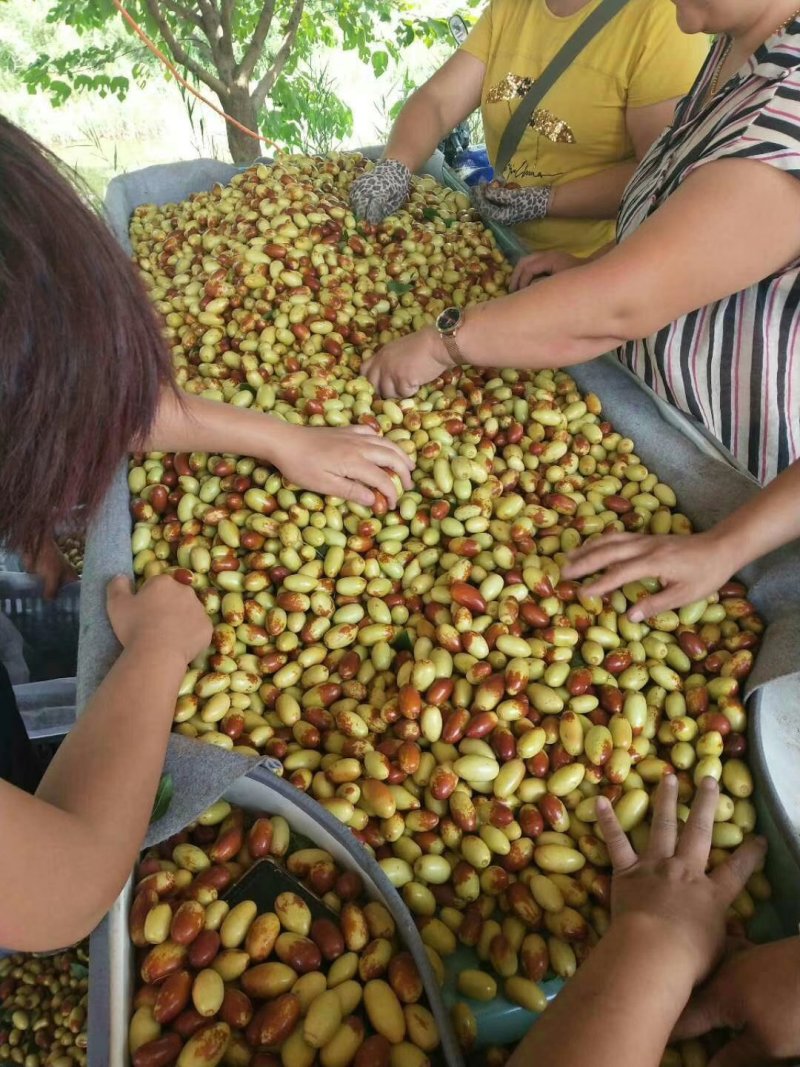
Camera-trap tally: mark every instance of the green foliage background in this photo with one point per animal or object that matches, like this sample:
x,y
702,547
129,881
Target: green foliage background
x,y
72,73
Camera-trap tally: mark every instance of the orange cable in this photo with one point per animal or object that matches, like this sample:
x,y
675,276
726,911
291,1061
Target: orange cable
x,y
137,29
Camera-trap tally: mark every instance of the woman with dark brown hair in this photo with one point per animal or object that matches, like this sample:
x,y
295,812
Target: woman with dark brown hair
x,y
85,377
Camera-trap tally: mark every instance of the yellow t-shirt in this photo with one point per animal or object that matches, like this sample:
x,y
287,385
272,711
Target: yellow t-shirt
x,y
639,58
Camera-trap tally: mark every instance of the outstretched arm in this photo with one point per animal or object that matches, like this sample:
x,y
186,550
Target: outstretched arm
x,y
72,845
348,462
723,230
690,568
445,100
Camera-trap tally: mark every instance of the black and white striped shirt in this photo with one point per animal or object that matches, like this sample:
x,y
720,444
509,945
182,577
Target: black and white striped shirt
x,y
733,365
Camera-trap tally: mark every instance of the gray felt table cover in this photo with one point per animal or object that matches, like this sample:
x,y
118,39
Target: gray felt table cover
x,y
708,488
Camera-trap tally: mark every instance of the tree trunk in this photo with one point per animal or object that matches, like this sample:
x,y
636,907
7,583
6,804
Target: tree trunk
x,y
239,106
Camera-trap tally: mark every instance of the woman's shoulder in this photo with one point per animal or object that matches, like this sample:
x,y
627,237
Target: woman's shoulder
x,y
645,15
505,11
778,59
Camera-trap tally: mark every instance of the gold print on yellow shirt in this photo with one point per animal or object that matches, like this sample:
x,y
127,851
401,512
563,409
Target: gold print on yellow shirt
x,y
544,122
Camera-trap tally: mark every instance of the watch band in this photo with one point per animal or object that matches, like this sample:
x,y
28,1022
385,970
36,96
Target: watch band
x,y
453,351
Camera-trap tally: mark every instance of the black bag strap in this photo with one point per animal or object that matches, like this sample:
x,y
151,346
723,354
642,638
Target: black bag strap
x,y
567,54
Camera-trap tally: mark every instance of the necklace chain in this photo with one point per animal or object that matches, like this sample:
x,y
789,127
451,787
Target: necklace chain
x,y
791,18
714,84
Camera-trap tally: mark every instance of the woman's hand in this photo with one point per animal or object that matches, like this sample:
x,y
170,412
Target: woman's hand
x,y
688,567
667,886
402,367
541,265
349,462
506,206
53,567
381,191
164,613
757,992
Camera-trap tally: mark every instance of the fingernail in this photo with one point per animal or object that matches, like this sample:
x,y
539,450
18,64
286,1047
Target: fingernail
x,y
635,615
708,783
602,804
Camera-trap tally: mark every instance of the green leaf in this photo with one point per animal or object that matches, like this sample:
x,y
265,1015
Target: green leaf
x,y
380,61
164,794
401,288
403,642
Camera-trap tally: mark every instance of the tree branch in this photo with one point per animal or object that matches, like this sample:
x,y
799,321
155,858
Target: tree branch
x,y
220,41
180,55
182,12
207,8
226,17
244,69
281,59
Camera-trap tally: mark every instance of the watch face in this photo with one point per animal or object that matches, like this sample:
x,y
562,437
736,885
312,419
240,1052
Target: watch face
x,y
449,320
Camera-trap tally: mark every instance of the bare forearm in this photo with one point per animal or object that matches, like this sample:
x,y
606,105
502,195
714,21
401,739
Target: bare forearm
x,y
768,521
419,128
199,425
596,196
131,711
558,322
78,837
626,977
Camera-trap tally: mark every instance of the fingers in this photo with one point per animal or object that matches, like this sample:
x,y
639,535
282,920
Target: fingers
x,y
704,1012
501,194
404,474
119,589
528,268
335,485
525,276
664,827
616,577
695,841
488,211
619,847
378,373
603,552
385,453
374,477
732,876
371,370
393,463
368,474
668,598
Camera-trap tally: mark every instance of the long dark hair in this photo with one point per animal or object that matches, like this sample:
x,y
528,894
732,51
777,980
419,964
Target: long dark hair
x,y
82,357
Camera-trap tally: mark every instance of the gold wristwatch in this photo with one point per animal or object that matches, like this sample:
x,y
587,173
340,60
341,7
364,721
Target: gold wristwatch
x,y
448,324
